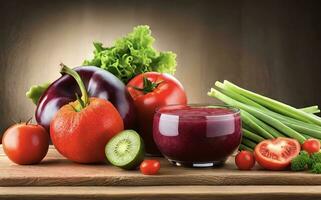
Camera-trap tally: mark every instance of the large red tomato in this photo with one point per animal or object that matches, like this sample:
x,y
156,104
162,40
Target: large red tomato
x,y
150,91
276,154
25,143
81,135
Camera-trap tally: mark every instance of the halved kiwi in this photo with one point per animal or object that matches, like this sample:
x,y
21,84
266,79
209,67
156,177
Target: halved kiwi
x,y
125,150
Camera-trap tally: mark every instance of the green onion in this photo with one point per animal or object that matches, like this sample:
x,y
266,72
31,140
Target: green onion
x,y
292,120
265,118
311,109
266,127
252,136
237,96
245,126
306,136
302,127
257,113
312,129
225,90
275,105
306,130
249,122
246,148
248,143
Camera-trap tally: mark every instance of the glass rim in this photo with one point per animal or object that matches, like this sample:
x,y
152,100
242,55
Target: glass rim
x,y
233,109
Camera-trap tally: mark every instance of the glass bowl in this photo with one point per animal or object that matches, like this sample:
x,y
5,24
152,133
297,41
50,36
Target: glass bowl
x,y
197,135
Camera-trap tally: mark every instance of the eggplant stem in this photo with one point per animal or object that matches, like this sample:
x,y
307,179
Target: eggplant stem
x,y
84,100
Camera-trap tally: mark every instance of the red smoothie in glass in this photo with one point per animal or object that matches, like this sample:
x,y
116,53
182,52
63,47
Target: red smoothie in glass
x,y
195,135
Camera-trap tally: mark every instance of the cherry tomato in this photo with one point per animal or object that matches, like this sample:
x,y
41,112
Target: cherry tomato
x,y
149,167
311,145
245,160
276,154
150,91
25,143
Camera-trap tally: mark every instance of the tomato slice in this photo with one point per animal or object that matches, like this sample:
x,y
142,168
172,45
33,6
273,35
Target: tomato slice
x,y
276,154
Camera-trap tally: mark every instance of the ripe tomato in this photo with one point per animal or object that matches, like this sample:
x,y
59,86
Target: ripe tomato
x,y
311,146
149,167
244,160
150,91
81,136
276,154
25,143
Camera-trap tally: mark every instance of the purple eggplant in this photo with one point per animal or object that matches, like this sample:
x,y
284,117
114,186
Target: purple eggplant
x,y
98,82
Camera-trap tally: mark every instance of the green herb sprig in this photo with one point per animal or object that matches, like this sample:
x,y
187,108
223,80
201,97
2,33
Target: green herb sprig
x,y
305,161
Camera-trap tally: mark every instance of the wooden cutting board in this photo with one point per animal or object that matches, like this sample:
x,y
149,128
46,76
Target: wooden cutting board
x,y
57,171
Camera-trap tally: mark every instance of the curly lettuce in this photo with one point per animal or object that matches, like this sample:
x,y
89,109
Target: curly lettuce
x,y
133,54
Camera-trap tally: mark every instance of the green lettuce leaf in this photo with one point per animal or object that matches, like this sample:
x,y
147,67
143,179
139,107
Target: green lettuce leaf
x,y
131,55
35,92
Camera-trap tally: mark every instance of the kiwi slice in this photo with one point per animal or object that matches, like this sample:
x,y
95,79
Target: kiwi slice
x,y
125,150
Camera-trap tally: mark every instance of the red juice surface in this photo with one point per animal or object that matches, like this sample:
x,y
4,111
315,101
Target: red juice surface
x,y
188,135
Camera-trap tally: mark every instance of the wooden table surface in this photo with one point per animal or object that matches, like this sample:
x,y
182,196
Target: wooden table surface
x,y
57,177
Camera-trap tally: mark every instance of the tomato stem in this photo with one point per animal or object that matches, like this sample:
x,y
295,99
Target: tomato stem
x,y
148,86
81,102
84,100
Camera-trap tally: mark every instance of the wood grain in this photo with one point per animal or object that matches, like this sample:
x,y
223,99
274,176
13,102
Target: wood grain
x,y
57,171
164,192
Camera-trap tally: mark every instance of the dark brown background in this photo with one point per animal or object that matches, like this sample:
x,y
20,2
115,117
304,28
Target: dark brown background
x,y
272,47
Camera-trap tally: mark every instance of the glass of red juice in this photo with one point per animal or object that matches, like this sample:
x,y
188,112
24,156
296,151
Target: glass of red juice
x,y
197,135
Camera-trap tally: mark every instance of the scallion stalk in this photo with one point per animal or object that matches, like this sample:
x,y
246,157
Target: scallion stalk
x,y
258,129
257,113
245,148
225,90
237,96
248,143
275,105
311,109
275,133
252,136
311,129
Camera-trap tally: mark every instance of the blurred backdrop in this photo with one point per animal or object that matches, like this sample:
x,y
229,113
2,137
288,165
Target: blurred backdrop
x,y
271,47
